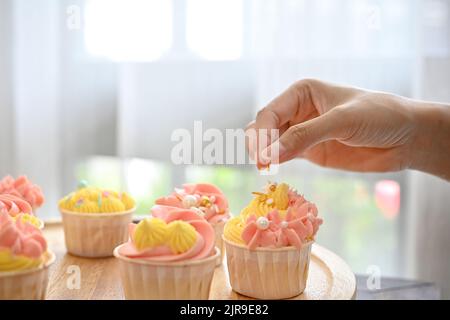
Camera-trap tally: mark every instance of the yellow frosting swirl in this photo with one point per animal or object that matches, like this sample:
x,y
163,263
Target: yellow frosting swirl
x,y
149,233
233,230
181,236
276,197
25,217
112,205
95,200
10,262
178,235
127,201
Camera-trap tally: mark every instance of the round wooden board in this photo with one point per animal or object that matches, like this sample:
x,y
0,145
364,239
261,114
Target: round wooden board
x,y
329,276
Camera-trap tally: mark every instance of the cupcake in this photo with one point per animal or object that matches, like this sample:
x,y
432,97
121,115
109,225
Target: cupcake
x,y
95,221
268,246
170,255
206,200
24,260
19,209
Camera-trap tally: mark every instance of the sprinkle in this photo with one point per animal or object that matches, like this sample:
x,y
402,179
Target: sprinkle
x,y
269,201
106,194
79,202
262,223
82,184
284,224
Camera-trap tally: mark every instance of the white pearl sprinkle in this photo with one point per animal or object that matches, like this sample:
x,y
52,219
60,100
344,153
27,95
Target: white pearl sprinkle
x,y
284,224
262,223
269,201
189,201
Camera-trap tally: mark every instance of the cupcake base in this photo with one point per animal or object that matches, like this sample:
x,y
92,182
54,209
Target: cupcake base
x,y
266,273
26,284
183,280
95,235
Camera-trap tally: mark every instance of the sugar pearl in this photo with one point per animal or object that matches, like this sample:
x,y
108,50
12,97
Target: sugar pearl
x,y
189,201
284,224
262,223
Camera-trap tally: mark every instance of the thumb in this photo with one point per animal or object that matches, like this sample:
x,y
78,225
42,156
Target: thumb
x,y
302,136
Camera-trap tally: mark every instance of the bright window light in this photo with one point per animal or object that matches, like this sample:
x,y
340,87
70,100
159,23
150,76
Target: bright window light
x,y
214,28
128,30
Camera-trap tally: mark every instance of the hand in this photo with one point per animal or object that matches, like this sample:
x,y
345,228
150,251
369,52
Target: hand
x,y
343,127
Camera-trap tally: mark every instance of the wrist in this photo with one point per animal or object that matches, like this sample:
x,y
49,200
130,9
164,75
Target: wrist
x,y
430,149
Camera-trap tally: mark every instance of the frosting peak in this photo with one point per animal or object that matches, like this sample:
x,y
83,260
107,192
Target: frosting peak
x,y
205,199
24,189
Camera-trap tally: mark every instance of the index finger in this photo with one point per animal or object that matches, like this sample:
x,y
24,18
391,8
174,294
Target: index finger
x,y
276,115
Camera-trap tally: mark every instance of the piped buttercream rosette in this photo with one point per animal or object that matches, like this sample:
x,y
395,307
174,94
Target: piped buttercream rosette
x,y
18,209
24,189
169,236
22,245
205,199
278,217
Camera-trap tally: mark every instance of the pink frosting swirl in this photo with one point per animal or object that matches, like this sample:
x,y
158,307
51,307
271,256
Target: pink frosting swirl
x,y
298,227
24,189
203,247
204,198
14,205
21,238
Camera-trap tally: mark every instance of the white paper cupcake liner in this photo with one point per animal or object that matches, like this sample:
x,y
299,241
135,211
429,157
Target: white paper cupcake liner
x,y
218,230
183,280
95,235
27,284
266,273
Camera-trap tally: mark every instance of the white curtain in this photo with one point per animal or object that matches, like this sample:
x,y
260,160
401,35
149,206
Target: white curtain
x,y
59,103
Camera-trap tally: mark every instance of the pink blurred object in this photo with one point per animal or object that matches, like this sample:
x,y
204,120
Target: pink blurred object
x,y
387,197
24,189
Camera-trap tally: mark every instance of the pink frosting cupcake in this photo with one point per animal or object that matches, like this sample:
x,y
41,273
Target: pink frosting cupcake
x,y
24,260
207,200
269,244
170,255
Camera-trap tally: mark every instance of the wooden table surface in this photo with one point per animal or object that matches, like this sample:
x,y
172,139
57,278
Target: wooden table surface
x,y
329,276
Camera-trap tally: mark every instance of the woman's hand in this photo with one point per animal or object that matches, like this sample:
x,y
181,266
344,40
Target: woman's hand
x,y
350,128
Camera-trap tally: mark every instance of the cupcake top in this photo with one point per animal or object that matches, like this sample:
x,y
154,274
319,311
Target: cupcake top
x,y
277,217
95,200
24,189
170,236
22,246
18,209
205,199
